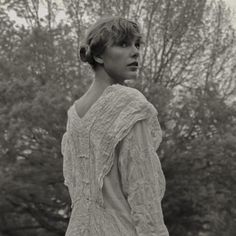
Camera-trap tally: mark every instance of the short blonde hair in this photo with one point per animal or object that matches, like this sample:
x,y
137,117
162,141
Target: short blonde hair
x,y
105,32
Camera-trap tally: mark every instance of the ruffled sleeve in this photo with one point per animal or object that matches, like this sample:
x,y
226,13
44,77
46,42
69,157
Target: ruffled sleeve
x,y
67,164
142,178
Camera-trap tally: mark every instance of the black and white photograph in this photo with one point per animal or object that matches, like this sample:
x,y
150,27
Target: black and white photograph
x,y
117,118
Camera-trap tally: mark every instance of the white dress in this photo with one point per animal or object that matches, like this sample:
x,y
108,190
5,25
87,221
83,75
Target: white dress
x,y
111,167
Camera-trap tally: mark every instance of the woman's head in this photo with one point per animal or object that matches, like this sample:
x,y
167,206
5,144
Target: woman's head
x,y
105,33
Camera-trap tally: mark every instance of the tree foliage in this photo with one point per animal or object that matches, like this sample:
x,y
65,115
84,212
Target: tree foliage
x,y
188,69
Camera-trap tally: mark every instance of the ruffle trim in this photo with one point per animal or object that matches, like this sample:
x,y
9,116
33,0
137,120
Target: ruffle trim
x,y
133,107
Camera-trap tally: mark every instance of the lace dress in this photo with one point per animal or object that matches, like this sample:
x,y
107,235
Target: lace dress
x,y
111,168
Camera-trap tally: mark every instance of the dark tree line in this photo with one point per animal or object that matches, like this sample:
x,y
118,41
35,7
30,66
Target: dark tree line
x,y
188,71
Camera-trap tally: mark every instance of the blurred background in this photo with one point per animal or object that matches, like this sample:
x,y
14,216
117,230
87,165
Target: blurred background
x,y
188,71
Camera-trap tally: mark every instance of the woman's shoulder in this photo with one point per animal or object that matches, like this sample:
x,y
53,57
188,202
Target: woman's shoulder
x,y
131,93
135,96
130,103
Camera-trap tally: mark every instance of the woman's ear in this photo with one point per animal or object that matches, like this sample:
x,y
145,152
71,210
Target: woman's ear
x,y
98,59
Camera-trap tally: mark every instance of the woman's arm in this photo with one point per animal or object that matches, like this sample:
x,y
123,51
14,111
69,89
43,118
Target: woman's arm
x,y
143,181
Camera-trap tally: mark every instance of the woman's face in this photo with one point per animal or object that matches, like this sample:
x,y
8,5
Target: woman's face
x,y
117,60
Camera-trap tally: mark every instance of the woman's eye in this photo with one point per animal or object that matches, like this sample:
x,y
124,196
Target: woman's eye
x,y
125,44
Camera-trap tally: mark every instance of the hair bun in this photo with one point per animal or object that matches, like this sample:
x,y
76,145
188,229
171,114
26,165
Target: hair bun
x,y
85,53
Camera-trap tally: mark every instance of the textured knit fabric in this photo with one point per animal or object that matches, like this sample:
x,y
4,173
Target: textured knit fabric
x,y
111,168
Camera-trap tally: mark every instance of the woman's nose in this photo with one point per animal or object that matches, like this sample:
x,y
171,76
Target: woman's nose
x,y
135,51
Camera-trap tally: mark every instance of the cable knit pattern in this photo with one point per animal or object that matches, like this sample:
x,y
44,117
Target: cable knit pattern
x,y
143,181
110,121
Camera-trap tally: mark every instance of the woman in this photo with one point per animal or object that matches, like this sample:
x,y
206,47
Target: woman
x,y
111,168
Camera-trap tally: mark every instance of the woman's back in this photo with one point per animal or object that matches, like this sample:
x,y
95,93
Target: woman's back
x,y
105,195
84,103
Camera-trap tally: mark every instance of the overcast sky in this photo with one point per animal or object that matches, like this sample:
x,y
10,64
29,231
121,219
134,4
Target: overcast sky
x,y
230,3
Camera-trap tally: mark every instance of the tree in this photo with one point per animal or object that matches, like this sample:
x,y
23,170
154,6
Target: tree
x,y
187,72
